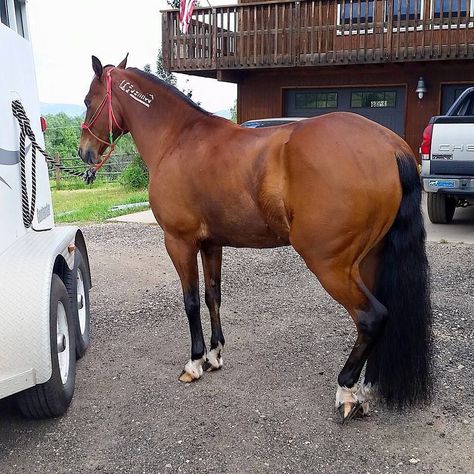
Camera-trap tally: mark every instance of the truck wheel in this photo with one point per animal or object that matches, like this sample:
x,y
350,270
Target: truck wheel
x,y
77,284
52,398
441,208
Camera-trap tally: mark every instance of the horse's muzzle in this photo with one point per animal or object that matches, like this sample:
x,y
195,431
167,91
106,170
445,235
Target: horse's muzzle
x,y
89,157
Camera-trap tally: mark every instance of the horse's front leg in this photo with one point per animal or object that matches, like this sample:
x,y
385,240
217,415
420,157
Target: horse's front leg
x,y
184,257
211,264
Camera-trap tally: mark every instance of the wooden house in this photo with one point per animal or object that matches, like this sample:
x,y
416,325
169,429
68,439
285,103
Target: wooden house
x,y
397,62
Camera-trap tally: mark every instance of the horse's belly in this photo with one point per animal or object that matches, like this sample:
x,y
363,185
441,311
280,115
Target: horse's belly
x,y
246,234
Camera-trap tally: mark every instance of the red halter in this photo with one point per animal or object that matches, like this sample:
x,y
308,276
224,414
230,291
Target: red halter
x,y
111,117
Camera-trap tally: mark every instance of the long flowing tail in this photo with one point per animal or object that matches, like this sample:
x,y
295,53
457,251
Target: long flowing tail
x,y
401,362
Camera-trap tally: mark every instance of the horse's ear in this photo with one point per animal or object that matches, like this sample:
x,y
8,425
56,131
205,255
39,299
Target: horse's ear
x,y
123,64
97,67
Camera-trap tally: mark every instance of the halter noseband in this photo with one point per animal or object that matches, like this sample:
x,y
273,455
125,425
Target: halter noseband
x,y
107,100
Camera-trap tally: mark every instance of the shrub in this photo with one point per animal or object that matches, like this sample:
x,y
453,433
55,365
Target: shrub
x,y
135,175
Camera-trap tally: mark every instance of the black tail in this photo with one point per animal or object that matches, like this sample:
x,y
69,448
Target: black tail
x,y
401,362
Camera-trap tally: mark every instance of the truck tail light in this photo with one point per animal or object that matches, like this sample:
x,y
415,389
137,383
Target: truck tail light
x,y
44,124
425,148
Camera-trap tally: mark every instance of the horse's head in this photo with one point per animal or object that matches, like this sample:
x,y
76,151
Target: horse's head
x,y
103,124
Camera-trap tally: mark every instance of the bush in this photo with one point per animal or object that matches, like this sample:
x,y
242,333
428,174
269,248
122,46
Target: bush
x,y
135,175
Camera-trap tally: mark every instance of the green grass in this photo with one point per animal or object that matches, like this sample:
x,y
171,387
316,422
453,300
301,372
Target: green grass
x,y
93,203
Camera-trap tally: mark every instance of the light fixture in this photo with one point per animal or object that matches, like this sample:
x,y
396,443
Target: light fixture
x,y
421,88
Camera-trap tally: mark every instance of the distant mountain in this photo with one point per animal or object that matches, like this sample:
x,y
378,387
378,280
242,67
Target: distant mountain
x,y
72,110
224,113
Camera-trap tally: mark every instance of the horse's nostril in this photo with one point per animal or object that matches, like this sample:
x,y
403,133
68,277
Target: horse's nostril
x,y
79,152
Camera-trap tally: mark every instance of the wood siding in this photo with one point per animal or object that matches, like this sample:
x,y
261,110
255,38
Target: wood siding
x,y
318,32
261,93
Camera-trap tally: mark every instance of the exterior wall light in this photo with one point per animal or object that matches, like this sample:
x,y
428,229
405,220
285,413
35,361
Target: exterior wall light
x,y
421,88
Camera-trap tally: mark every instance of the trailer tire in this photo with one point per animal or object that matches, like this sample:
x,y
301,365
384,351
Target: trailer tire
x,y
441,208
52,398
78,287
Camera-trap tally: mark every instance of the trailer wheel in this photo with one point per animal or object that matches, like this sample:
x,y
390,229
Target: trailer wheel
x,y
78,287
53,397
441,208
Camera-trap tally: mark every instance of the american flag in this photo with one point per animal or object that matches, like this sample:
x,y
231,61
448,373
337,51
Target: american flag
x,y
186,8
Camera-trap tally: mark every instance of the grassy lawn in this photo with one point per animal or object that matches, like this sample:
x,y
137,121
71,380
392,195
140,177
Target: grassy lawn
x,y
93,204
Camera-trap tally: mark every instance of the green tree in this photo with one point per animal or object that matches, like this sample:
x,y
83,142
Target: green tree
x,y
161,72
62,135
233,112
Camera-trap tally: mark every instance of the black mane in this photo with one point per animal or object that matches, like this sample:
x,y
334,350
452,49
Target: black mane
x,y
171,88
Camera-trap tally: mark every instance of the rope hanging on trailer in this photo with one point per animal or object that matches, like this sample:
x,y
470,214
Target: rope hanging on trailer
x,y
26,131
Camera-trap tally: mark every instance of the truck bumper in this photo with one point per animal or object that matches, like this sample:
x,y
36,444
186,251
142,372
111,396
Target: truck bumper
x,y
453,185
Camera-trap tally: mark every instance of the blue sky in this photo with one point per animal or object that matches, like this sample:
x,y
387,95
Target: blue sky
x,y
65,33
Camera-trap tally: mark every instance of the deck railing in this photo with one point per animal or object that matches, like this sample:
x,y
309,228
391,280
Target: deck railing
x,y
319,32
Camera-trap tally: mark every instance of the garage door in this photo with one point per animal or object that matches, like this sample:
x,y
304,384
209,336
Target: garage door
x,y
383,105
450,93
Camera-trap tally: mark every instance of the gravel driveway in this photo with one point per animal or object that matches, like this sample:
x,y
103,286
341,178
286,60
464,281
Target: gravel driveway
x,y
271,407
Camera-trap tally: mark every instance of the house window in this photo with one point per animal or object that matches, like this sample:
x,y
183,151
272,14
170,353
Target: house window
x,y
4,12
357,12
380,99
407,9
442,8
19,19
316,100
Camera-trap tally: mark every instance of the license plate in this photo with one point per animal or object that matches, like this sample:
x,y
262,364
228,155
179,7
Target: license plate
x,y
442,183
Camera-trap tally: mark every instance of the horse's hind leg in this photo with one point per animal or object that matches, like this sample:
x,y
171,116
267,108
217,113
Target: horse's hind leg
x,y
212,263
341,278
184,257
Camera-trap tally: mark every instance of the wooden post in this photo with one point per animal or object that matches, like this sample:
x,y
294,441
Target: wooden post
x,y
57,171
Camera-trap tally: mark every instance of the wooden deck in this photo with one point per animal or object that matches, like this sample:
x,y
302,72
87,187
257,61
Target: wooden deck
x,y
318,32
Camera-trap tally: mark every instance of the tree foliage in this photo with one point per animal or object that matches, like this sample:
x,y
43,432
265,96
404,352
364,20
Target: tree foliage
x,y
233,112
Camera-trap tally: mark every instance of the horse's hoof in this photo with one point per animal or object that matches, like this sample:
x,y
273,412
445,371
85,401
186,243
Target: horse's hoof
x,y
349,411
185,377
192,370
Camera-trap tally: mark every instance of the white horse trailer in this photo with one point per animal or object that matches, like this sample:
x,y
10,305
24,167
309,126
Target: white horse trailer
x,y
44,270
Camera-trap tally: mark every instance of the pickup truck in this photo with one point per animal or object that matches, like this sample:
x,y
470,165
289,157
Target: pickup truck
x,y
447,154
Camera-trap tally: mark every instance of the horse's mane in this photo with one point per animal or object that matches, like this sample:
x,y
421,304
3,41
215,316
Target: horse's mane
x,y
170,88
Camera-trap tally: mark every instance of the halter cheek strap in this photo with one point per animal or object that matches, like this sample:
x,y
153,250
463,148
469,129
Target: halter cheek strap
x,y
106,101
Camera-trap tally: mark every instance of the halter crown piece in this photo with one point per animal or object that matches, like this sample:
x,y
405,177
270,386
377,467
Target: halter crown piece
x,y
107,100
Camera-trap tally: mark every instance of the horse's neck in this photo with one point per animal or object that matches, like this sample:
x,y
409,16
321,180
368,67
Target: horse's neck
x,y
156,127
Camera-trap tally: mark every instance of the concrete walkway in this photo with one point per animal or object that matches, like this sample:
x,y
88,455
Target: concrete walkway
x,y
145,217
460,230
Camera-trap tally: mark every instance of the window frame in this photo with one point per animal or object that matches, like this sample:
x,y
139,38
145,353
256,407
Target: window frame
x,y
383,91
359,26
16,17
438,21
317,93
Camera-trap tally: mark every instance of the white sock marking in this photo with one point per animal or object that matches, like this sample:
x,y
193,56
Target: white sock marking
x,y
215,356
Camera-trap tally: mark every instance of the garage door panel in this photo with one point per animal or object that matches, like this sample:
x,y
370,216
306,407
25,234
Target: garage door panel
x,y
385,105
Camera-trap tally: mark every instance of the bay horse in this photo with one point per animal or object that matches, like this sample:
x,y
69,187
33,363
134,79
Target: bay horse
x,y
342,190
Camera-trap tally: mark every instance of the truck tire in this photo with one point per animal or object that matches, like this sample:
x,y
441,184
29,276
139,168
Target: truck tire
x,y
53,397
78,287
441,208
